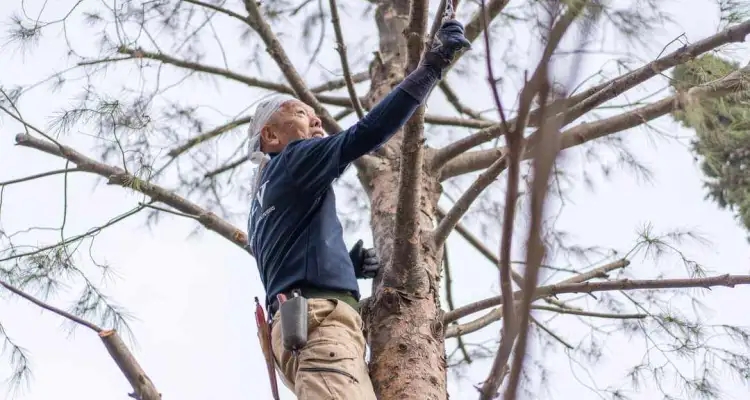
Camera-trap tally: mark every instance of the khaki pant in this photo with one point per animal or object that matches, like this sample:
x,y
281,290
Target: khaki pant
x,y
332,365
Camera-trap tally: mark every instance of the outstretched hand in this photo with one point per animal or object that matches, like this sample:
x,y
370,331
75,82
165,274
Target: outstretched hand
x,y
366,261
448,42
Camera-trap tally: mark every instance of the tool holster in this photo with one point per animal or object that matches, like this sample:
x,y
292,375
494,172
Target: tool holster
x,y
264,336
293,322
293,319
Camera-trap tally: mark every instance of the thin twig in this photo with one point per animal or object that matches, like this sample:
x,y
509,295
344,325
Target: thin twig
x,y
341,49
203,137
585,313
50,308
40,175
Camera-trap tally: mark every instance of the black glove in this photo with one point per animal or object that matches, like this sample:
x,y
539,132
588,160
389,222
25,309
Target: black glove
x,y
449,41
366,262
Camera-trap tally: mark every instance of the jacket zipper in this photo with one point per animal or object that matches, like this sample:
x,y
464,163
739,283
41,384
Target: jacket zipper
x,y
325,369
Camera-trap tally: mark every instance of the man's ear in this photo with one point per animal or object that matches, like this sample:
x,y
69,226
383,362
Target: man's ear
x,y
269,137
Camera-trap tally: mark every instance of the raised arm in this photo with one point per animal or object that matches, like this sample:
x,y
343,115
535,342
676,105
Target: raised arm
x,y
315,163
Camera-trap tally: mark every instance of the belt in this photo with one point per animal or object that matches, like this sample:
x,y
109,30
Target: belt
x,y
315,293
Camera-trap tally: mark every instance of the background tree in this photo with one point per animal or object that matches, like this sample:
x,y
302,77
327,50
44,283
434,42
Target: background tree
x,y
723,140
158,94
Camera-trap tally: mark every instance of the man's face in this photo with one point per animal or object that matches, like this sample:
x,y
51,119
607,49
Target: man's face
x,y
294,120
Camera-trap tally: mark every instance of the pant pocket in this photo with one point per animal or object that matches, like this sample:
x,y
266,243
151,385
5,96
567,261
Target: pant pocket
x,y
327,371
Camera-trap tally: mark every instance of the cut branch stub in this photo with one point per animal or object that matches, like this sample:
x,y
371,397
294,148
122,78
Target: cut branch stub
x,y
141,383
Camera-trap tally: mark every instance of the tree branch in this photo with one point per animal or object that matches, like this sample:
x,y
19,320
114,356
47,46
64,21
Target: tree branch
x,y
588,131
477,25
406,243
544,160
229,74
512,156
584,313
118,176
453,99
599,272
276,50
584,101
213,133
341,48
139,381
359,77
37,176
222,10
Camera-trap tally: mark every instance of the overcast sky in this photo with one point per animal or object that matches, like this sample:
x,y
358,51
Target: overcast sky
x,y
193,297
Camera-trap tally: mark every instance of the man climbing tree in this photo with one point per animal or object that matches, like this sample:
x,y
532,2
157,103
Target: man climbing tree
x,y
295,234
153,99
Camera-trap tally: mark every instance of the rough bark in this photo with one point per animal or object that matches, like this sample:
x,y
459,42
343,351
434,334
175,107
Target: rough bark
x,y
403,318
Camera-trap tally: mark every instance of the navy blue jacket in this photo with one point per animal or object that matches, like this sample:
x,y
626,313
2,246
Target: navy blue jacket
x,y
293,229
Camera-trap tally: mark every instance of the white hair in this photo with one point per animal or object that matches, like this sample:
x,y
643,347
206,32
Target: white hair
x,y
263,113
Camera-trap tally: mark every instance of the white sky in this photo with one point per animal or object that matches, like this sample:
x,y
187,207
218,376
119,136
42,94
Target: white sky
x,y
193,297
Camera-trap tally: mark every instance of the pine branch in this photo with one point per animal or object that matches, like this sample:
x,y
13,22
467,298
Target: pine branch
x,y
117,176
139,381
231,75
599,272
592,287
588,131
582,102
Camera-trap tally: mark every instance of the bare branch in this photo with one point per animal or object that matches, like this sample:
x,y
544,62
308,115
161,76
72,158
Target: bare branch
x,y
496,314
231,75
222,10
203,137
140,382
453,99
453,216
117,176
462,122
481,21
359,77
544,160
37,176
277,52
512,156
406,240
584,313
341,49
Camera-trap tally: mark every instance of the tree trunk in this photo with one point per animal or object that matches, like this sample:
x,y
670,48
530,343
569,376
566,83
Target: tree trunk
x,y
403,318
